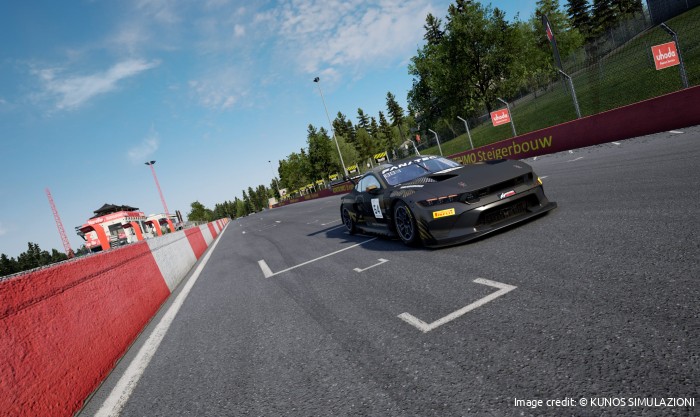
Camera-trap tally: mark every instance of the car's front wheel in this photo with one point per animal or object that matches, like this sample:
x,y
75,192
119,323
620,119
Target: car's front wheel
x,y
405,224
347,220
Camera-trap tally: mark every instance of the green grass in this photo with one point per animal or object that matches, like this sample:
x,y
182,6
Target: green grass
x,y
625,76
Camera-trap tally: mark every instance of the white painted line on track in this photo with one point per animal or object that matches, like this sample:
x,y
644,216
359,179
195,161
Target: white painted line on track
x,y
333,221
574,160
381,261
336,227
425,327
676,131
266,269
616,143
268,272
268,227
121,392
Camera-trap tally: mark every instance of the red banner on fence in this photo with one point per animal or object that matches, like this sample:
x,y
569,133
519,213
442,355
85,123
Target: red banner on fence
x,y
665,55
500,117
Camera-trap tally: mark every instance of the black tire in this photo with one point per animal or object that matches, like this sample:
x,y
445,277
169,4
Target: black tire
x,y
347,220
405,224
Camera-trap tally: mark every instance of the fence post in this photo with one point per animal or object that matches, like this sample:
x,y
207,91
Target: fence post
x,y
437,139
573,93
684,76
510,115
468,133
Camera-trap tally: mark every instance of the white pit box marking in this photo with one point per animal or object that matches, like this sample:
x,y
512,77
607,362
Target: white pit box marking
x,y
425,327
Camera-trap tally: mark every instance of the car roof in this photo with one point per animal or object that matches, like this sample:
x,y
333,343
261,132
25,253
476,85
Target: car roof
x,y
379,168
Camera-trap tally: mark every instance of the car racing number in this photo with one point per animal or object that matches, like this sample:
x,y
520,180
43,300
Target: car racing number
x,y
376,209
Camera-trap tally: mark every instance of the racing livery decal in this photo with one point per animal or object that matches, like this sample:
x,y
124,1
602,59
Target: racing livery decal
x,y
443,213
376,209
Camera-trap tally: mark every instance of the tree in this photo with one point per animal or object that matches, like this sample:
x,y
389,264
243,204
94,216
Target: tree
x,y
57,256
568,37
343,127
433,30
240,207
395,113
373,128
603,16
476,60
580,16
366,145
362,121
386,134
293,171
320,153
349,152
8,265
199,213
247,204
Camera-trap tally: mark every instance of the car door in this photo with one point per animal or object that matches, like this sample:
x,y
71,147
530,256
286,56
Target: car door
x,y
372,200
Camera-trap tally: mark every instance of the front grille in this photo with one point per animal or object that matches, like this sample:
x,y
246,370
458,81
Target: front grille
x,y
504,212
509,184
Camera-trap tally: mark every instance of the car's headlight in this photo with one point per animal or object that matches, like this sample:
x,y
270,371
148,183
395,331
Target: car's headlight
x,y
439,200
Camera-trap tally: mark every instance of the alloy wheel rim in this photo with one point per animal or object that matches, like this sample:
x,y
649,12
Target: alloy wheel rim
x,y
403,223
346,219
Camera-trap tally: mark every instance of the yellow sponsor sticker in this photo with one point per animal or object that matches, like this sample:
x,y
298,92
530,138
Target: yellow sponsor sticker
x,y
443,213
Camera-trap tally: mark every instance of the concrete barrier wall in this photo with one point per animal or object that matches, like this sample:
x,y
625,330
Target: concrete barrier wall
x,y
63,328
659,114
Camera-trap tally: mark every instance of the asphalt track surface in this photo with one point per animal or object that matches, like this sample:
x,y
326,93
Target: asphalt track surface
x,y
605,306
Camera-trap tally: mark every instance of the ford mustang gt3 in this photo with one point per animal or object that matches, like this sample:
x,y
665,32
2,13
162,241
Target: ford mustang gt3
x,y
435,201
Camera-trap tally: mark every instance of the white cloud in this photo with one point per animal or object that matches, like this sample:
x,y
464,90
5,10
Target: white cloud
x,y
349,34
3,231
130,37
148,146
163,11
71,92
238,31
220,90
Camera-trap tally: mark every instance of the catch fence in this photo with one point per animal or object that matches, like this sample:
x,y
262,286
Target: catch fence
x,y
616,70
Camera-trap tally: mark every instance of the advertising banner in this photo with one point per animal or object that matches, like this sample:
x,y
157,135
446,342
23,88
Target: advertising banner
x,y
665,55
500,117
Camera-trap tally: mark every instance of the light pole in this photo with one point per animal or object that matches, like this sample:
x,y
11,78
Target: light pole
x,y
275,179
437,139
317,80
162,199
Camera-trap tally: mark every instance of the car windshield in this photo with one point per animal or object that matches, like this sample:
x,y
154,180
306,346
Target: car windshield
x,y
419,167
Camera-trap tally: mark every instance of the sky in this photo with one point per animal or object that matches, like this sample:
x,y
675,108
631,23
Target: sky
x,y
210,89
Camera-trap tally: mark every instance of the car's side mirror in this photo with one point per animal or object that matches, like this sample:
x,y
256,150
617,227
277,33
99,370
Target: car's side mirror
x,y
372,189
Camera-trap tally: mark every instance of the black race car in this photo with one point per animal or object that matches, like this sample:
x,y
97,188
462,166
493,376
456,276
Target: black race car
x,y
437,202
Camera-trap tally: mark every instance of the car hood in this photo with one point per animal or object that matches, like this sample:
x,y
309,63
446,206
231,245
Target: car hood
x,y
470,177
